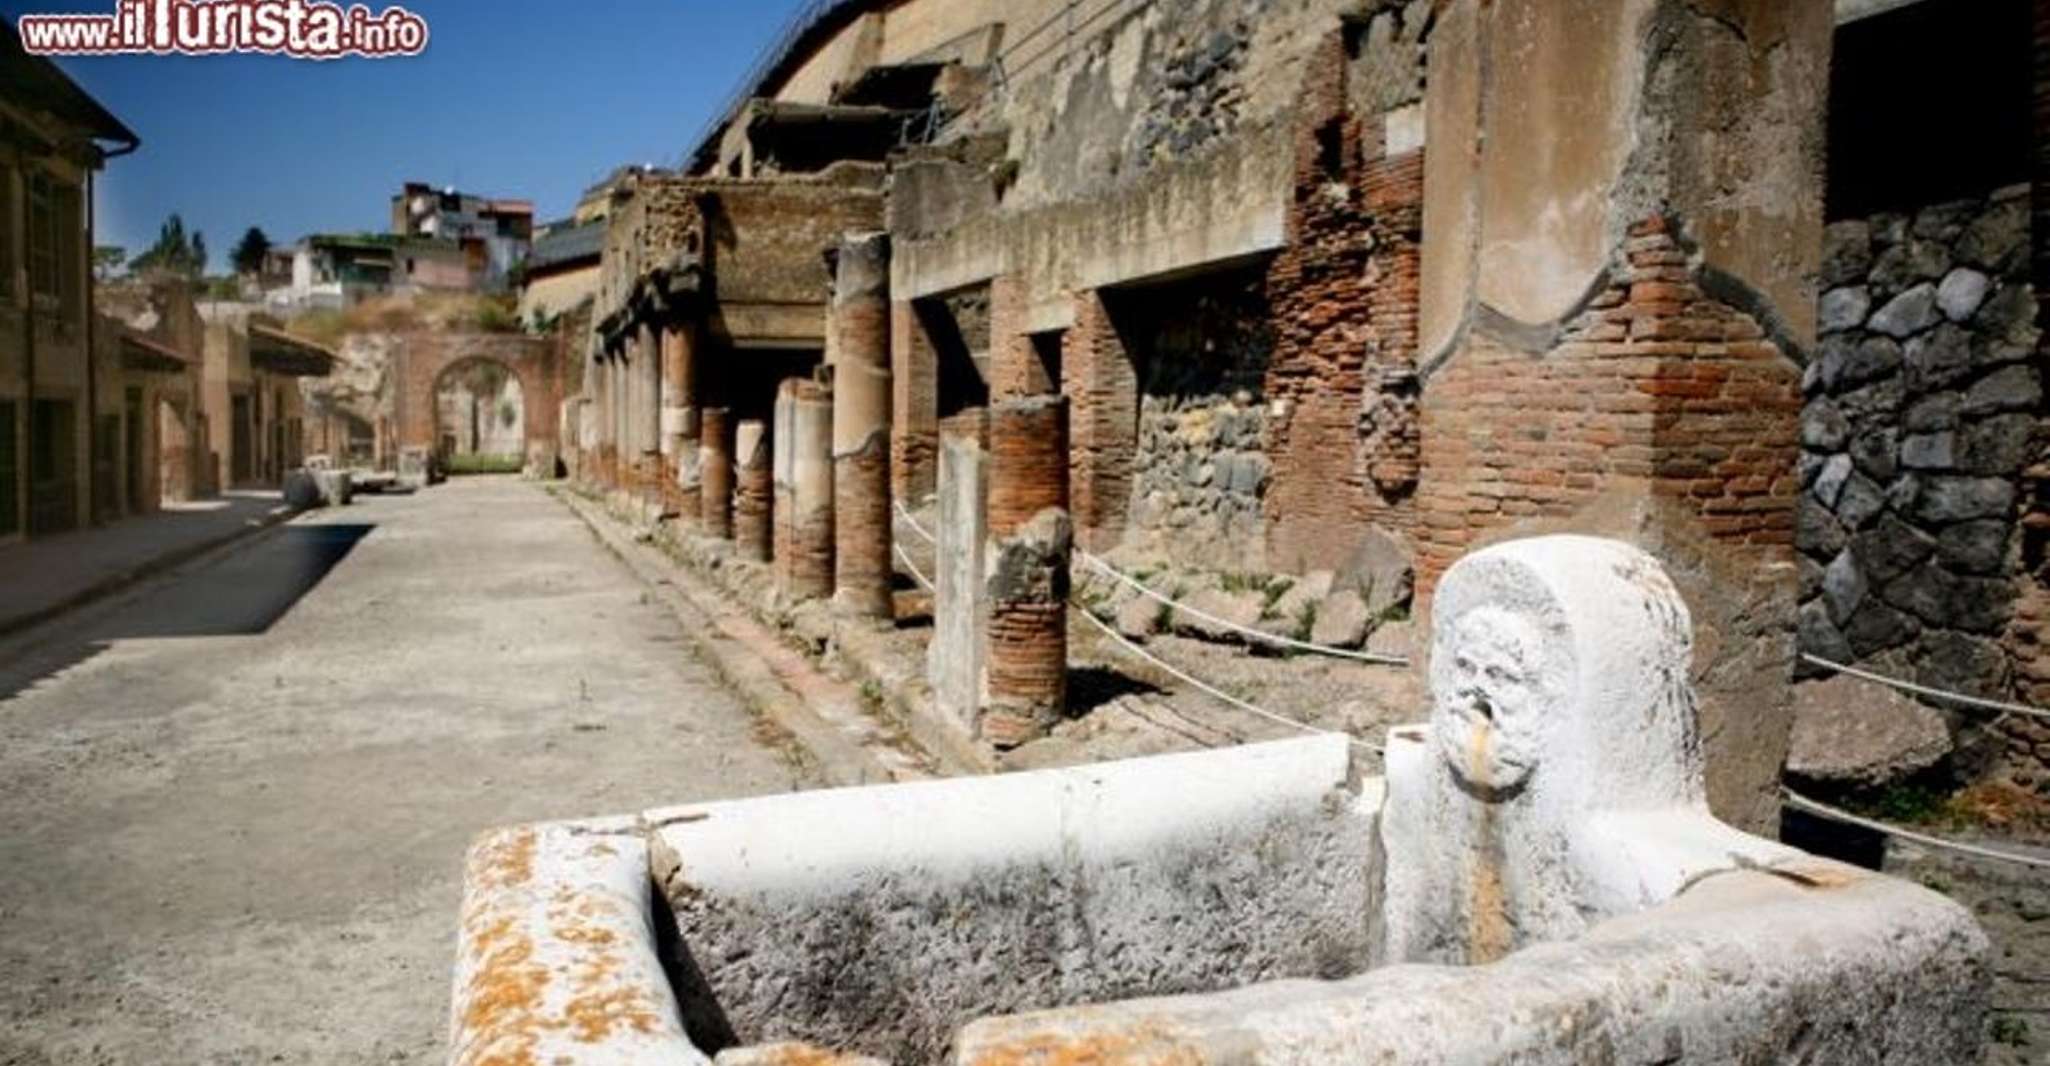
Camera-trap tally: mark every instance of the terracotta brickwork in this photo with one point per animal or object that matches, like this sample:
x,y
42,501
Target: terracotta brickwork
x,y
1102,386
1028,585
1344,292
914,421
1656,387
1015,368
753,490
715,512
424,356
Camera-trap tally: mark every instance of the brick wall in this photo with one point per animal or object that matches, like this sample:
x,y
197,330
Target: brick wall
x,y
1102,388
1345,297
1655,388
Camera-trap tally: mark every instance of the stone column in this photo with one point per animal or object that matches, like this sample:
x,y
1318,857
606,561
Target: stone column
x,y
715,467
955,658
1026,569
802,515
680,414
753,490
648,411
1622,228
859,320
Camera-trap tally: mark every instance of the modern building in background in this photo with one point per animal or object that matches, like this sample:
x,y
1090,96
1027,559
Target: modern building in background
x,y
494,235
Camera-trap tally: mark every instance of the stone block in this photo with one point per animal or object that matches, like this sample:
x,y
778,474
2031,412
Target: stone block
x,y
1342,620
1845,308
1961,293
1381,571
1229,612
2011,388
301,490
1909,313
1852,734
1139,618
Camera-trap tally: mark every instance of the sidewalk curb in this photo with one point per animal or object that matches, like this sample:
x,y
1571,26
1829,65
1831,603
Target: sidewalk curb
x,y
149,568
767,673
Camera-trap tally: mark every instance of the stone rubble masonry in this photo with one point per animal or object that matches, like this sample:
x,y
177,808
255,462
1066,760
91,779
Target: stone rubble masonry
x,y
716,469
860,325
1344,291
753,490
1026,569
802,515
914,388
1923,419
960,607
1102,387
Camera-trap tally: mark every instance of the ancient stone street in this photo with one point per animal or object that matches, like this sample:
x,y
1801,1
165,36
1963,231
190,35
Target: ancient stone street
x,y
237,798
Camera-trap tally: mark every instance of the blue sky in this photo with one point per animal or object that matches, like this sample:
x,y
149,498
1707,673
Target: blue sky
x,y
515,98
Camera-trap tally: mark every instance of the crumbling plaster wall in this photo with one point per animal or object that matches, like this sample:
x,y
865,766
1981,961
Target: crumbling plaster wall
x,y
1621,231
1150,142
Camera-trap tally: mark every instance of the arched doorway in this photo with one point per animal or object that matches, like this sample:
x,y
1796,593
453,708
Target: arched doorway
x,y
480,418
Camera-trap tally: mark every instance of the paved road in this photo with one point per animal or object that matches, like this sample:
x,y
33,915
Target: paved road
x,y
233,802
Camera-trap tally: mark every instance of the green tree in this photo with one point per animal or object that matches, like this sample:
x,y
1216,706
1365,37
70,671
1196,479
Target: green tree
x,y
174,252
249,252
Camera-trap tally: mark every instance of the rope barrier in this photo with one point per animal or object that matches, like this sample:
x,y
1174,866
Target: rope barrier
x,y
1824,810
916,574
1270,638
1213,691
1924,690
912,522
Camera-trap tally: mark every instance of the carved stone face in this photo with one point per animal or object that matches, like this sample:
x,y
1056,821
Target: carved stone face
x,y
1490,700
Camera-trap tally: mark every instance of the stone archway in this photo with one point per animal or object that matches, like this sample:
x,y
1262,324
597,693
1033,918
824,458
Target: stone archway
x,y
480,415
427,358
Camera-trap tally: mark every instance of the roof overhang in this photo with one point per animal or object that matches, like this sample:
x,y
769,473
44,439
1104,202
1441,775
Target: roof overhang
x,y
149,357
277,352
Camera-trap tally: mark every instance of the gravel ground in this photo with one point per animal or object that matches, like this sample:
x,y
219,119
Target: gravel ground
x,y
236,800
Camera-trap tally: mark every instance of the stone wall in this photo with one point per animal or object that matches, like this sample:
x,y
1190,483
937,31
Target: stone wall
x,y
1200,470
1922,411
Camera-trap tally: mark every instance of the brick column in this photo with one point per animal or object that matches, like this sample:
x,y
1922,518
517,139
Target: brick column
x,y
914,414
1625,357
1102,387
753,489
1026,569
859,320
680,415
802,515
715,467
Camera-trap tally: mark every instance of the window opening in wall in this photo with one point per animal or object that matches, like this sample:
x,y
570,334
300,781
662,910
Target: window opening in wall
x,y
1962,85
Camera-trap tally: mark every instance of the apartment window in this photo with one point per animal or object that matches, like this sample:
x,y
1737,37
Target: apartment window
x,y
56,239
